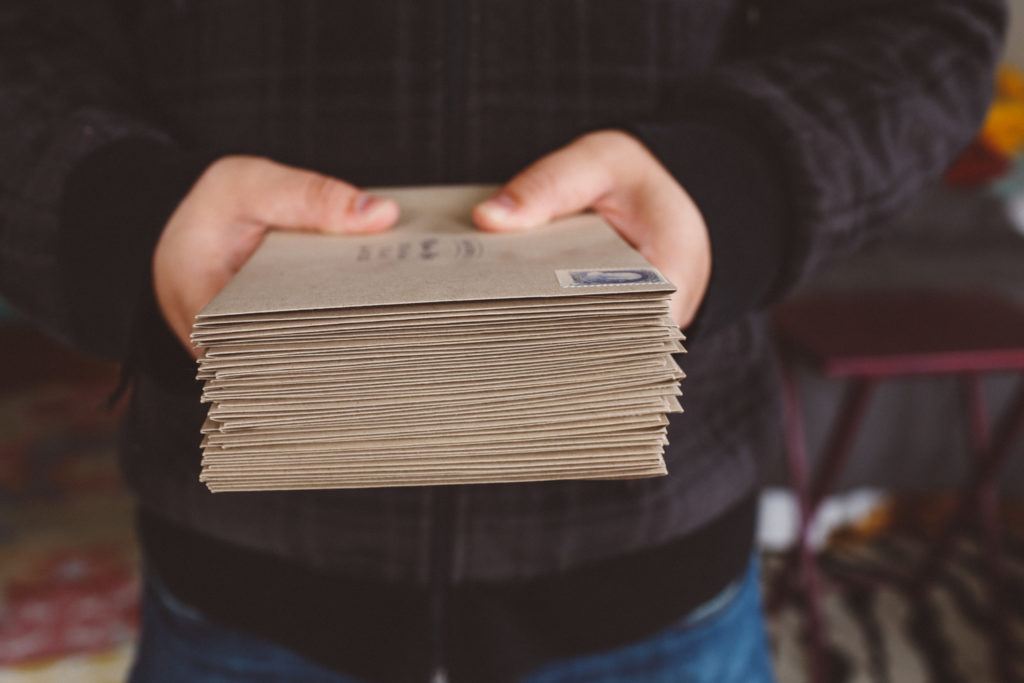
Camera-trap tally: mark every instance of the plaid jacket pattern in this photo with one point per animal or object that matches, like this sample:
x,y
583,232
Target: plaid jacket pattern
x,y
856,104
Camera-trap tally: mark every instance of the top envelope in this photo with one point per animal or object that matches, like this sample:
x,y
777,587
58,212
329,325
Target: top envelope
x,y
435,255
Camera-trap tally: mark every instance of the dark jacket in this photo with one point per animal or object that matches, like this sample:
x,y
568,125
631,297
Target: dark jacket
x,y
799,127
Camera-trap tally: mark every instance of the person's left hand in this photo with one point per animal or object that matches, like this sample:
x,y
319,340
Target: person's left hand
x,y
613,174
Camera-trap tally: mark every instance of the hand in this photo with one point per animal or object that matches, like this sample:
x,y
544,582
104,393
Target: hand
x,y
613,174
222,220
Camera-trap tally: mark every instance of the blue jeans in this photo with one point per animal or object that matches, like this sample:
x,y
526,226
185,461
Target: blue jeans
x,y
722,641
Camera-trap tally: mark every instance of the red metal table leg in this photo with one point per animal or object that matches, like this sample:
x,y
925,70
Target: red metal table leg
x,y
1009,429
981,497
981,481
796,465
988,515
844,434
809,497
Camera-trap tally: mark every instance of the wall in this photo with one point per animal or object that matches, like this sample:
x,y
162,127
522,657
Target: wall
x,y
1015,37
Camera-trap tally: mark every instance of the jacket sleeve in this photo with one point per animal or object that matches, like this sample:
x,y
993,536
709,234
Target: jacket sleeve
x,y
74,136
833,114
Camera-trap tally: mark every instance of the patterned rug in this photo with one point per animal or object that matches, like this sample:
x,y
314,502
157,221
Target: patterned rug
x,y
68,577
68,563
884,634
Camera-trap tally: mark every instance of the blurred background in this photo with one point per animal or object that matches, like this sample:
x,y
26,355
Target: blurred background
x,y
893,514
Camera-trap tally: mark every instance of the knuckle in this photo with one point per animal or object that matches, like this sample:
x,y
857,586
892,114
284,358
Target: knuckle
x,y
217,171
233,169
538,186
231,164
608,145
591,139
325,193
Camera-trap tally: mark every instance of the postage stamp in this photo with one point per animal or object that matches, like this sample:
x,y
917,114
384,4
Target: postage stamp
x,y
609,277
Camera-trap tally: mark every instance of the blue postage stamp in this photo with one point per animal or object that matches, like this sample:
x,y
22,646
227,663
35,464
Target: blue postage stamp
x,y
609,277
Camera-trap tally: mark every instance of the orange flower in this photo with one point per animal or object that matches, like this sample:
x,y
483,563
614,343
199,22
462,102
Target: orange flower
x,y
1009,83
1003,130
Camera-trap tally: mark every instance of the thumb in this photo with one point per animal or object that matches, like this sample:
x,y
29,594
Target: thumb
x,y
564,182
291,198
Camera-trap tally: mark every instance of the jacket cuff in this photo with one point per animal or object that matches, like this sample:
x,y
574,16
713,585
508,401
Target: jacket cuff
x,y
116,202
741,196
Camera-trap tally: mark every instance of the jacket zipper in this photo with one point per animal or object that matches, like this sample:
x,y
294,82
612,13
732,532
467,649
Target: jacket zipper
x,y
441,548
453,153
443,497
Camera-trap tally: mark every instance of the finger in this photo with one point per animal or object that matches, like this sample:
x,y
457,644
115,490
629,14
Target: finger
x,y
292,198
181,325
564,182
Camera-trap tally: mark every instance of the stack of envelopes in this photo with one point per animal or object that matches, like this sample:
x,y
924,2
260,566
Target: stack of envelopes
x,y
438,354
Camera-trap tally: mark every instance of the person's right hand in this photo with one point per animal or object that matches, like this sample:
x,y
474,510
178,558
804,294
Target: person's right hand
x,y
221,221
